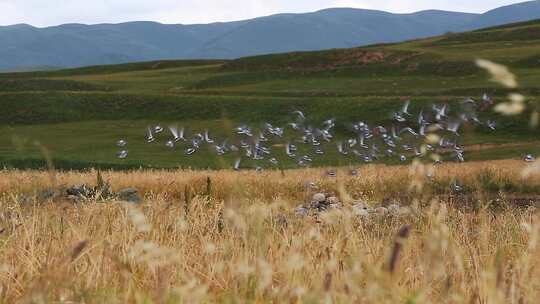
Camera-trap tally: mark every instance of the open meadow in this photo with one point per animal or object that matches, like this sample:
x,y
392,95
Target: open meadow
x,y
74,117
436,200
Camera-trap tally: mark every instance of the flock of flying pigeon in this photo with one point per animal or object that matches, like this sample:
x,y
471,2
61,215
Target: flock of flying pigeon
x,y
432,131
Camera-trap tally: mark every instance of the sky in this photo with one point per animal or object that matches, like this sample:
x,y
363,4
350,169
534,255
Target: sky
x,y
53,12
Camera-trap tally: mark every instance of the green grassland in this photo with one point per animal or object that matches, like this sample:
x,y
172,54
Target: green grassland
x,y
75,116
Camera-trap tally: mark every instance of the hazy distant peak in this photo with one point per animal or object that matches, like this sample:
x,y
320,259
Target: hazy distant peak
x,y
73,45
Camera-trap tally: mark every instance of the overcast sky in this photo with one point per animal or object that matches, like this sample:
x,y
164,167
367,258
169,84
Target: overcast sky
x,y
53,12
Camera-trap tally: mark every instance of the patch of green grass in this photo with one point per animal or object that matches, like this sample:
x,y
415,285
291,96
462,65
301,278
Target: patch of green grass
x,y
117,68
92,144
489,182
321,60
78,145
529,62
505,152
518,34
514,25
23,85
167,81
78,114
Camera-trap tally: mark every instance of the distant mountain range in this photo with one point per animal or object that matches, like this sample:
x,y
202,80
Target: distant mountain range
x,y
26,47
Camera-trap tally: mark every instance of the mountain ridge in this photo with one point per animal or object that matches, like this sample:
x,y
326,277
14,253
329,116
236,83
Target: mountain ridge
x,y
75,45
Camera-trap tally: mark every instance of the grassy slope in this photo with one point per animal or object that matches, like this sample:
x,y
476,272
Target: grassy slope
x,y
78,114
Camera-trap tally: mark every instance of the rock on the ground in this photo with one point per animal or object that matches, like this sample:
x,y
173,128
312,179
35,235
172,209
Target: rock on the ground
x,y
301,211
319,197
332,200
382,211
360,209
361,212
81,191
394,209
73,198
359,205
334,206
129,195
319,205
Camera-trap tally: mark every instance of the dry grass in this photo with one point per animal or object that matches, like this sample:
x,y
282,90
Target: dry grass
x,y
237,241
374,182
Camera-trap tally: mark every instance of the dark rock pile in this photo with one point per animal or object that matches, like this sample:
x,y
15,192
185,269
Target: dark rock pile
x,y
129,195
85,192
82,193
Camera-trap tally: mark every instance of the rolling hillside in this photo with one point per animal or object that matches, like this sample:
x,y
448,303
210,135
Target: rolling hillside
x,y
74,45
74,117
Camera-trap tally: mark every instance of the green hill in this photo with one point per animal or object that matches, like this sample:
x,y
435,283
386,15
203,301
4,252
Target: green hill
x,y
77,115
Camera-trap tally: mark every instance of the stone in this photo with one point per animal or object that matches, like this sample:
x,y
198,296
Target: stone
x,y
128,191
382,211
319,197
129,195
73,198
394,209
360,205
322,207
335,206
312,205
332,200
301,211
361,212
360,209
81,191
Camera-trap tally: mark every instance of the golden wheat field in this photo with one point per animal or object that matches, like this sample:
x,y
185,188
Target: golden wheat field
x,y
233,237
